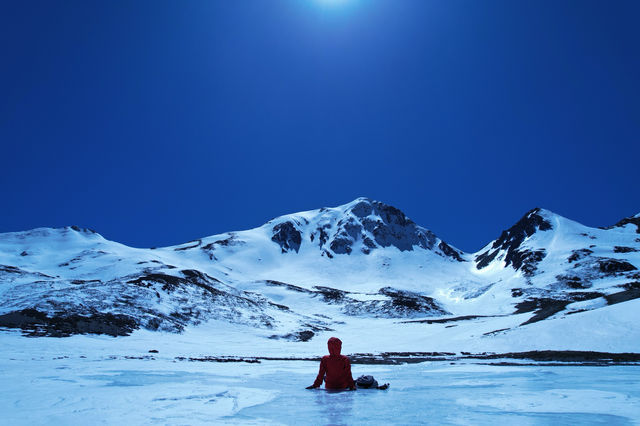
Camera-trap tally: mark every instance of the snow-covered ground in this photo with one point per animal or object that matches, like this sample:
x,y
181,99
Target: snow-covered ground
x,y
102,380
583,331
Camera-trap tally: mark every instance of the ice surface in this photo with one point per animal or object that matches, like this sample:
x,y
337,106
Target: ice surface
x,y
87,386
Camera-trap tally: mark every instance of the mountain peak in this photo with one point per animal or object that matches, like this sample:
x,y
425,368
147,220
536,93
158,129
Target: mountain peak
x,y
360,200
364,207
361,225
508,245
544,215
534,220
46,233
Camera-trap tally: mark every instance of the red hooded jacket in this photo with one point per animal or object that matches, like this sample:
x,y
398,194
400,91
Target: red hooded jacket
x,y
335,369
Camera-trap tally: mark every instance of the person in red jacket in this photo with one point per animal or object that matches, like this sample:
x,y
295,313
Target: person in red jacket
x,y
335,369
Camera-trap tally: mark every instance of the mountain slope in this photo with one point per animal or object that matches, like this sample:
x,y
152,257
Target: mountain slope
x,y
361,264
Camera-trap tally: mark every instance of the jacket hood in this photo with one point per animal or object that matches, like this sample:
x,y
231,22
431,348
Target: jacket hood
x,y
335,345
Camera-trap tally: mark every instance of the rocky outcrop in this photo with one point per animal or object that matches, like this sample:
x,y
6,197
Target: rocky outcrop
x,y
37,324
633,220
287,236
510,241
369,225
389,227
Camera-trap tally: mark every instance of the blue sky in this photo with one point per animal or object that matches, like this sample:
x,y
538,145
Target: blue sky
x,y
157,122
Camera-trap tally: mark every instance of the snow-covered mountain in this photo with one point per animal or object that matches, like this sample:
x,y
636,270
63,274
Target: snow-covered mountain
x,y
360,266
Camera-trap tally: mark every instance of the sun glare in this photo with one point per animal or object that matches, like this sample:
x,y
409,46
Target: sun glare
x,y
331,2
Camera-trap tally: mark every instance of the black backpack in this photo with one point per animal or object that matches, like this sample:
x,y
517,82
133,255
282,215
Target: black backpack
x,y
366,382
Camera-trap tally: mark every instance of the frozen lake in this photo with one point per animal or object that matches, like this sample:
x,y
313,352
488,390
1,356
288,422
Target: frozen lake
x,y
94,390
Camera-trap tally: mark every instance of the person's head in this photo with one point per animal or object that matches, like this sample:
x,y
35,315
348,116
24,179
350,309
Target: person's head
x,y
335,346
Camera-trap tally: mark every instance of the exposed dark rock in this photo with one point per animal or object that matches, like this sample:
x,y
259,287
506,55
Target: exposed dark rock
x,y
219,359
526,260
169,282
24,253
202,280
494,332
324,236
579,254
449,251
510,240
623,296
398,230
153,351
341,245
226,242
196,243
576,312
279,306
194,274
408,302
327,253
299,336
10,269
82,282
543,307
631,285
288,286
626,221
619,249
316,327
331,295
83,230
591,237
581,296
446,320
390,228
573,281
369,243
567,356
37,324
350,228
287,236
362,209
614,266
397,358
305,336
